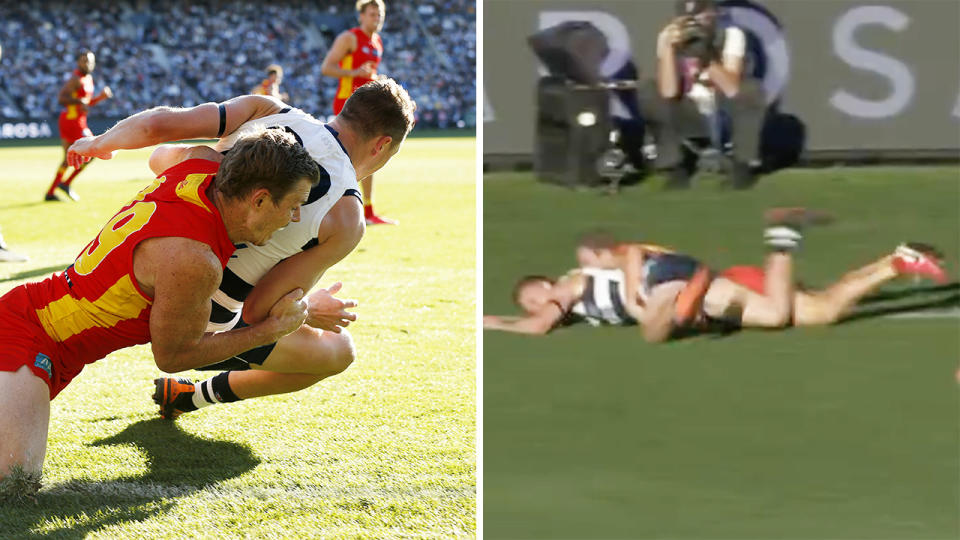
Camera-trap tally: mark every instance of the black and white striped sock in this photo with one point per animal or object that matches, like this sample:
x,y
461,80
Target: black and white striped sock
x,y
782,238
216,389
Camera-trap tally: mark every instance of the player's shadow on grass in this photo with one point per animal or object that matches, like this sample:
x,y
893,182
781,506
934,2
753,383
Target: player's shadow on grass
x,y
913,299
27,274
180,464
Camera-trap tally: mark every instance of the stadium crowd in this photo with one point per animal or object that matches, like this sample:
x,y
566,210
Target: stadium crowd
x,y
182,53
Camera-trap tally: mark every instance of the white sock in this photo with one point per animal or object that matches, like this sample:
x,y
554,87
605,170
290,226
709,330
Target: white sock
x,y
201,391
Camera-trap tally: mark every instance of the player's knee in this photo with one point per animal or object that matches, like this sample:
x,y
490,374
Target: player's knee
x,y
345,353
334,355
17,481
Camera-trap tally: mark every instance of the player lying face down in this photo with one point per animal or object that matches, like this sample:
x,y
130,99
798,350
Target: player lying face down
x,y
664,291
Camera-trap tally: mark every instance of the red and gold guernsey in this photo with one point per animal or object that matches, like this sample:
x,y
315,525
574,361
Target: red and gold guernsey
x,y
95,306
84,93
369,49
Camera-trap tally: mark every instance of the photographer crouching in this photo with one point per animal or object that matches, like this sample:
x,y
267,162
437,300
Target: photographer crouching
x,y
703,93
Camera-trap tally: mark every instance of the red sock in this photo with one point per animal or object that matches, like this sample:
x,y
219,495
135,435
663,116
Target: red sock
x,y
74,175
57,179
71,177
368,211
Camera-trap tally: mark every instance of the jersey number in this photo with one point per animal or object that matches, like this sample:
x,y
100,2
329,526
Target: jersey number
x,y
130,221
113,234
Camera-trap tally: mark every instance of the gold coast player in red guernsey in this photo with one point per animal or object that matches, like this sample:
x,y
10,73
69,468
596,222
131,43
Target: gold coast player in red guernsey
x,y
149,276
354,58
76,96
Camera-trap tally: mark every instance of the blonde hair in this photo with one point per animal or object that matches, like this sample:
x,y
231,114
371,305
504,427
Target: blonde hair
x,y
362,5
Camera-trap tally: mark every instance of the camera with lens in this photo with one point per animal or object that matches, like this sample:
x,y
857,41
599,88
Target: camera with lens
x,y
696,39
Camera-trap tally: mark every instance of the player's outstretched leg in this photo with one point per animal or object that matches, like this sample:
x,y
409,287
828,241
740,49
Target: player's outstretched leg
x,y
299,360
764,298
65,185
25,406
834,302
61,169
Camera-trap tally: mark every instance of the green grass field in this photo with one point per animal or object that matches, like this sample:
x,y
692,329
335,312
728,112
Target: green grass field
x,y
384,450
844,432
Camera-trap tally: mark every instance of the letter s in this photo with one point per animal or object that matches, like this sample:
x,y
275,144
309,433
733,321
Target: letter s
x,y
899,74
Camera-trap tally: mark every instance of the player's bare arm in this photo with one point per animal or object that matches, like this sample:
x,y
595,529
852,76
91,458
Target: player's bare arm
x,y
104,94
181,275
338,234
164,124
563,295
539,323
655,317
345,44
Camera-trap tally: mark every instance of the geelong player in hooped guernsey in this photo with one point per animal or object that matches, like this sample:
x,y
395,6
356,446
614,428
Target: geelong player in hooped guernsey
x,y
148,276
356,143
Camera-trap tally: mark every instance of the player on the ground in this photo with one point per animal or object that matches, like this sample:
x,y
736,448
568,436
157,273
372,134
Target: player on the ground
x,y
663,291
76,96
271,85
369,130
149,276
353,58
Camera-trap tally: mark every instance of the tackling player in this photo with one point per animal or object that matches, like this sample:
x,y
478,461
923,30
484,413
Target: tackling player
x,y
148,276
664,292
353,58
368,132
77,97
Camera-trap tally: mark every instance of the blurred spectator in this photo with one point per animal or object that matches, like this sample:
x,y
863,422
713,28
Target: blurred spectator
x,y
182,53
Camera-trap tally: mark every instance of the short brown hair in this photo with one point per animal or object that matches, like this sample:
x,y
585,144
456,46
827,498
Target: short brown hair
x,y
270,159
362,5
380,107
526,281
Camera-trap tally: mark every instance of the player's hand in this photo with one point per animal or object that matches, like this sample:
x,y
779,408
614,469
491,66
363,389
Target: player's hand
x,y
492,322
288,313
106,93
85,148
328,313
367,70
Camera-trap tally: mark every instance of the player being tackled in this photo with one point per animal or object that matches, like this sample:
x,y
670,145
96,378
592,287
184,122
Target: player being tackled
x,y
668,294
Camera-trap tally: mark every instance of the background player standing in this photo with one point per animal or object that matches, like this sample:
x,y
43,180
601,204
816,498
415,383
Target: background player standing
x,y
271,85
354,58
76,96
5,254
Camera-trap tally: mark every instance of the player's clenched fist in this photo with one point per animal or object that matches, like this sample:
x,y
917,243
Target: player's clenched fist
x,y
83,150
288,313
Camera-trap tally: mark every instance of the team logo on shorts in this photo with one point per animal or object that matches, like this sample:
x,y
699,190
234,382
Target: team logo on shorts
x,y
43,362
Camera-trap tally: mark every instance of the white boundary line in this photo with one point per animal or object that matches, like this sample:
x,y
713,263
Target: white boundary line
x,y
950,313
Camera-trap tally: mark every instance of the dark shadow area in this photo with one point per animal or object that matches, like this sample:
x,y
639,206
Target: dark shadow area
x,y
26,274
870,310
883,296
180,464
25,205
